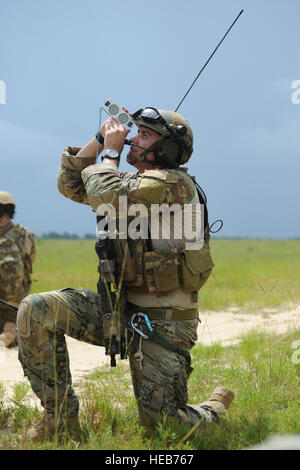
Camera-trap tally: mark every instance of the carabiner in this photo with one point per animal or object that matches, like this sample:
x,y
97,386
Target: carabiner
x,y
147,321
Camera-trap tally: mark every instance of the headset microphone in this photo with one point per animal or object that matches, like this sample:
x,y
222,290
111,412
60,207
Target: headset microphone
x,y
129,142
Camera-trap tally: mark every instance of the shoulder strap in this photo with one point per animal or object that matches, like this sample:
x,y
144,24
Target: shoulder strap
x,y
203,200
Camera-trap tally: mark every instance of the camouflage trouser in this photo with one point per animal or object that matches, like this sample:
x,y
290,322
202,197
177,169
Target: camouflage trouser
x,y
159,375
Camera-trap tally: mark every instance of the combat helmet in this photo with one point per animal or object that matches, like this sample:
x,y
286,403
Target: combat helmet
x,y
6,198
7,204
175,146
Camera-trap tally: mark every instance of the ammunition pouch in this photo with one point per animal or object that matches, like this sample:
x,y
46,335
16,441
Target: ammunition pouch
x,y
161,271
196,267
164,271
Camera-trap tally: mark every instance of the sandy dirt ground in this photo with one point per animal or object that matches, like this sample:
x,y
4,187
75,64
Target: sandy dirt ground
x,y
222,327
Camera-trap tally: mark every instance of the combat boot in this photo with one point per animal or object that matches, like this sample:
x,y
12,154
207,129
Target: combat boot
x,y
220,400
46,429
222,395
9,334
209,410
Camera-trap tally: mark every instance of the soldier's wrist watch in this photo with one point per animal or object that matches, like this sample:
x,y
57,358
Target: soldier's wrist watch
x,y
110,153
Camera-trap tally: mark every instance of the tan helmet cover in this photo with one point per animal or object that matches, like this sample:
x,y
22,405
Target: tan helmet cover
x,y
6,198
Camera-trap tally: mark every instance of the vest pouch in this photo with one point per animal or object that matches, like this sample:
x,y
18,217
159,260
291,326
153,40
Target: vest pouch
x,y
162,271
129,274
125,261
196,267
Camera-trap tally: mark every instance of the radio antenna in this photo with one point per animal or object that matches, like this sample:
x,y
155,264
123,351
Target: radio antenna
x,y
208,60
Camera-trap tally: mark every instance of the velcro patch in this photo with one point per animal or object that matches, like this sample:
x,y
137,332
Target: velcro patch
x,y
160,174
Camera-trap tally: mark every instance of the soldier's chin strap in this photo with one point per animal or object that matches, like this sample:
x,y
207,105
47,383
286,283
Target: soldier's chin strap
x,y
166,162
155,147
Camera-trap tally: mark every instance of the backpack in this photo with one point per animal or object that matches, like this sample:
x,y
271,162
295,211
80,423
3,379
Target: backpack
x,y
11,269
15,265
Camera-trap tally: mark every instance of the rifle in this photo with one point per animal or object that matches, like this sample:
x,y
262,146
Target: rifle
x,y
114,331
7,313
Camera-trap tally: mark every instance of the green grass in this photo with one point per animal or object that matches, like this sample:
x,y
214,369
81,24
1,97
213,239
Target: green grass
x,y
64,263
259,370
250,274
253,274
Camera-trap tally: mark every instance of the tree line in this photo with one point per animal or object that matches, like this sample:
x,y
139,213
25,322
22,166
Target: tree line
x,y
67,235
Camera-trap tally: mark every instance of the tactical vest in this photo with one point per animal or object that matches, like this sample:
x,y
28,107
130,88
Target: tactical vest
x,y
141,269
15,264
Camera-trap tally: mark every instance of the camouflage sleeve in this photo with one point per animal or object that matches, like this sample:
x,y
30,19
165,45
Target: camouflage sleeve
x,y
104,184
69,180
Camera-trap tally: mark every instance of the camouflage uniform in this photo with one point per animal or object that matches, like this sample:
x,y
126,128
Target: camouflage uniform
x,y
17,253
159,374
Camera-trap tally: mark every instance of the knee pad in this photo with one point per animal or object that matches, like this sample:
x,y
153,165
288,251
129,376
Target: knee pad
x,y
24,316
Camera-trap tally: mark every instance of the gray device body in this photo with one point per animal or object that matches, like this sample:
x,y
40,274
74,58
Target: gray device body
x,y
115,111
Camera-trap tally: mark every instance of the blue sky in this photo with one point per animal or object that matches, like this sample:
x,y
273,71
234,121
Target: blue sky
x,y
61,59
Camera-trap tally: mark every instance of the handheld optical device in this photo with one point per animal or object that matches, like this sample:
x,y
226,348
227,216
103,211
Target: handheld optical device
x,y
115,111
